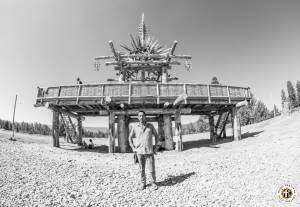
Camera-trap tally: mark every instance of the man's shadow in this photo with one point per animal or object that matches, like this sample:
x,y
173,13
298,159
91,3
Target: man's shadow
x,y
173,180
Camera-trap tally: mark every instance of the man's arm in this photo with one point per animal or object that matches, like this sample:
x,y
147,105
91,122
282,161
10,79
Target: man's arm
x,y
158,138
130,139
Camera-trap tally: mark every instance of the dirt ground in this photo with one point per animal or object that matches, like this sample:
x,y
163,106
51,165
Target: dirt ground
x,y
244,173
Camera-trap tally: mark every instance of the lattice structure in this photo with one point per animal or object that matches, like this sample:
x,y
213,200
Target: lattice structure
x,y
143,83
70,128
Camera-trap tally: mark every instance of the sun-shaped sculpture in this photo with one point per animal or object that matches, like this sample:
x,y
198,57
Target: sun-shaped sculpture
x,y
144,59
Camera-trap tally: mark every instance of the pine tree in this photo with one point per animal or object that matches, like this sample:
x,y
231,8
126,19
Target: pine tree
x,y
275,110
291,94
214,80
283,97
298,92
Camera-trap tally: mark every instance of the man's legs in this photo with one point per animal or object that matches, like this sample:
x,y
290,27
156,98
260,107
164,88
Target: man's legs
x,y
151,165
142,162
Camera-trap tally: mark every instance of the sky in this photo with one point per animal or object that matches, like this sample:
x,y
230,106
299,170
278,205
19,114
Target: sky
x,y
249,43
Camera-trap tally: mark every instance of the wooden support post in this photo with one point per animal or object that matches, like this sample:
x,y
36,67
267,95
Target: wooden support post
x,y
223,129
212,128
224,133
236,125
111,133
164,77
55,128
178,131
160,128
168,132
218,123
142,75
123,141
79,129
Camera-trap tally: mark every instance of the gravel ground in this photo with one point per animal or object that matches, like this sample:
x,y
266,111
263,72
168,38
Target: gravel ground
x,y
244,173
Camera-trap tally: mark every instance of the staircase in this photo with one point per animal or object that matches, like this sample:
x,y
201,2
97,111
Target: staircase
x,y
70,128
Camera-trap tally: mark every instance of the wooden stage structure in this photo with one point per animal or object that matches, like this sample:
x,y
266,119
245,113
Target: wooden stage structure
x,y
143,83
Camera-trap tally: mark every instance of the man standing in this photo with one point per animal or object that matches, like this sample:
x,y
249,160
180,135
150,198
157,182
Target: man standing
x,y
144,148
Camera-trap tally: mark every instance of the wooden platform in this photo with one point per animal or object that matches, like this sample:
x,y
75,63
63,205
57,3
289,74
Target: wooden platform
x,y
98,99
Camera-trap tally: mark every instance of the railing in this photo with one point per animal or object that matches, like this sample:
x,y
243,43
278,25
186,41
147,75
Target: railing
x,y
133,91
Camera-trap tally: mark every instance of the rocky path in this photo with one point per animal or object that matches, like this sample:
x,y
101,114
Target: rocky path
x,y
244,173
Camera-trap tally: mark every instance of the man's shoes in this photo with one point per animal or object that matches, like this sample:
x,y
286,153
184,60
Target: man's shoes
x,y
154,186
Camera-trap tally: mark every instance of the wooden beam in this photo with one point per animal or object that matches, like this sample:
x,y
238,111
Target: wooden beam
x,y
144,67
160,128
236,125
168,132
173,47
151,111
212,129
144,63
148,119
164,77
104,57
218,122
123,133
150,56
111,133
179,99
223,129
55,128
178,131
111,44
71,114
208,93
79,129
241,104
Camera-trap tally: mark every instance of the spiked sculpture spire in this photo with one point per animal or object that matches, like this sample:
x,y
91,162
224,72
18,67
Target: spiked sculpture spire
x,y
144,59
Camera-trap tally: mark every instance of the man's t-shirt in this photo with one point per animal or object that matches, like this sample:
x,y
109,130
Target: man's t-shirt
x,y
144,134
